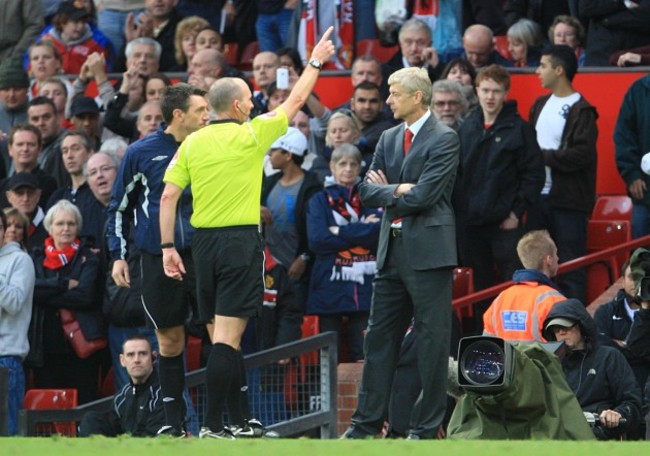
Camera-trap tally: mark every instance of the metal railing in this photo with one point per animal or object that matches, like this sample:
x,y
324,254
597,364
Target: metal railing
x,y
608,257
319,412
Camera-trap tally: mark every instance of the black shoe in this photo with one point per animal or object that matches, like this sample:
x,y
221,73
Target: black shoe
x,y
253,429
224,434
168,431
352,433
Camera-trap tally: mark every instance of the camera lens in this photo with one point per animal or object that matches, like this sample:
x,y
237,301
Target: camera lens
x,y
482,363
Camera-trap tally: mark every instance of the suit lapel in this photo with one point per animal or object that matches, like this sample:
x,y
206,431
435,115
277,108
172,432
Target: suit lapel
x,y
418,144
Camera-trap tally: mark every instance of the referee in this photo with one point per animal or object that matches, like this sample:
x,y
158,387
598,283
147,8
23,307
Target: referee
x,y
224,162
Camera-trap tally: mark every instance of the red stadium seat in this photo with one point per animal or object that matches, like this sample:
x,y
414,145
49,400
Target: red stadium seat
x,y
501,46
612,207
230,51
48,399
373,47
247,56
108,384
193,354
463,285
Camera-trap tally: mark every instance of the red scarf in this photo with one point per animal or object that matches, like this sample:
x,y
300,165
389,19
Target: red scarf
x,y
55,259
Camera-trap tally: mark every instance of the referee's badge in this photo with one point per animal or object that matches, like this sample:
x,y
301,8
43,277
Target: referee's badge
x,y
173,161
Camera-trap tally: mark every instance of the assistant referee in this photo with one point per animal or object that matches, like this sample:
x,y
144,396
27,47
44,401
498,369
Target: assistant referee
x,y
224,163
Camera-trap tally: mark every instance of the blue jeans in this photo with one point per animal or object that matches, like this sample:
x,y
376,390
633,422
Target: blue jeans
x,y
640,220
111,22
273,29
16,389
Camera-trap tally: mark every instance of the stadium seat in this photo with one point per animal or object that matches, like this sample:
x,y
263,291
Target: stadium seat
x,y
48,399
247,56
108,384
612,207
602,234
231,53
193,354
501,46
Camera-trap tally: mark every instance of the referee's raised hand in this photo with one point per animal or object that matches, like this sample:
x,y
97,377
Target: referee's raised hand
x,y
324,49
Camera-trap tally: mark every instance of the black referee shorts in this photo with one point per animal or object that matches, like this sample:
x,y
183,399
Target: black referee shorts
x,y
230,271
167,302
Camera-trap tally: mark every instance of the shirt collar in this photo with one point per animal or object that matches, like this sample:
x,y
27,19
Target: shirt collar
x,y
417,125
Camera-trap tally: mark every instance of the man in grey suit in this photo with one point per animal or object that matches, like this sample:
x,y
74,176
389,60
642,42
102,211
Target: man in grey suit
x,y
412,175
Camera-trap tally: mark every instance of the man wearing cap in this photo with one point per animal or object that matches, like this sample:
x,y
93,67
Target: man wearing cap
x,y
284,207
22,193
14,83
518,313
632,140
25,145
600,376
84,114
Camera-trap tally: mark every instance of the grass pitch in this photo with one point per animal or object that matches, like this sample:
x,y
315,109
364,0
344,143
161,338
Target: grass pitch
x,y
125,446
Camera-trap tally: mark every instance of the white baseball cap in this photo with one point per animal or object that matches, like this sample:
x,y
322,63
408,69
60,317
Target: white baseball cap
x,y
293,141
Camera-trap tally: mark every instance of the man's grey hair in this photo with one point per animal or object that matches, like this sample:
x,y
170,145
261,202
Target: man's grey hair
x,y
416,24
222,92
114,147
413,79
146,41
448,86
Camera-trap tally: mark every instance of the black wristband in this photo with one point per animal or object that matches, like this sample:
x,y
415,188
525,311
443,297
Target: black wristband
x,y
167,245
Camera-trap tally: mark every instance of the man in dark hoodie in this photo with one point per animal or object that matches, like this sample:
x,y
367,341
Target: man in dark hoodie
x,y
600,377
500,176
518,313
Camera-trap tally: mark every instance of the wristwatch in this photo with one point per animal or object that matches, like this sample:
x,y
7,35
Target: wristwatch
x,y
305,257
316,64
167,245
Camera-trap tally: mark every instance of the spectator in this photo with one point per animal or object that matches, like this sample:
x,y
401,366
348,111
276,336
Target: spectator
x,y
44,62
13,95
85,116
20,23
22,194
478,42
209,38
16,293
73,37
501,175
185,39
525,40
519,312
41,113
155,86
57,90
206,66
448,103
415,50
290,58
632,140
342,128
612,26
272,24
566,133
93,69
601,379
75,151
543,12
284,199
159,22
112,16
265,65
17,229
343,236
615,319
219,13
67,277
461,70
115,147
101,171
25,144
137,406
569,31
367,107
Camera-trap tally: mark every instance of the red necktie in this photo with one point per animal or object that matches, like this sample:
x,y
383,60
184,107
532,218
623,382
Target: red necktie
x,y
408,139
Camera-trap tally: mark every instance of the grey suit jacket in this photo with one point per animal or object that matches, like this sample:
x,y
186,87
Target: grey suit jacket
x,y
428,225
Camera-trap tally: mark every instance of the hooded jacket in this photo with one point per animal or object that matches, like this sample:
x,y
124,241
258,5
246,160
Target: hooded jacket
x,y
76,52
501,168
16,294
600,376
573,164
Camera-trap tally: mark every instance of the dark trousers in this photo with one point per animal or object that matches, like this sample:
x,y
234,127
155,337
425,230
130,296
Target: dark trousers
x,y
357,324
568,228
400,293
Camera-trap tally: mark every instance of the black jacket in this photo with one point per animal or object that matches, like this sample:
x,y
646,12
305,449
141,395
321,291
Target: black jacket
x,y
139,408
501,168
613,322
573,165
599,375
309,187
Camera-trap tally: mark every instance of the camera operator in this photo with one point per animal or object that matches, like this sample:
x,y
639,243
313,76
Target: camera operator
x,y
600,376
638,341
